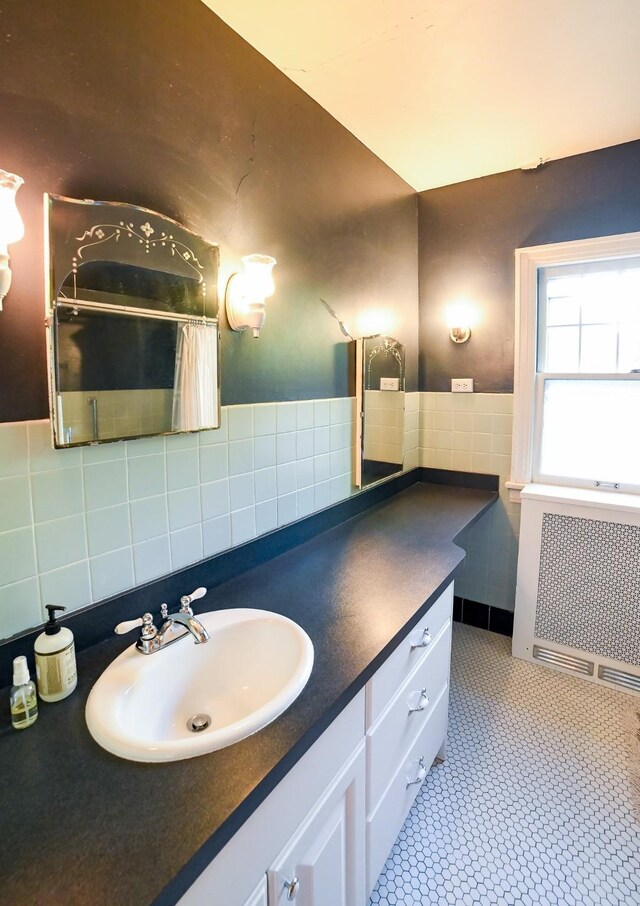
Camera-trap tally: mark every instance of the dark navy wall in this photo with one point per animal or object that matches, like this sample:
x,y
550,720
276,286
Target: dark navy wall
x,y
160,104
468,234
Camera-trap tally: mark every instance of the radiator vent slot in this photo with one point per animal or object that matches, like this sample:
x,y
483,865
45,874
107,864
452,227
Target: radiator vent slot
x,y
557,659
619,677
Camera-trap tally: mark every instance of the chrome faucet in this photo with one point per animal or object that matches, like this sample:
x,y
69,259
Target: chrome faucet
x,y
153,639
185,618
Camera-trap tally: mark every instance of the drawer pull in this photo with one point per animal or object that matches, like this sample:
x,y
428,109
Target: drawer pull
x,y
424,641
292,887
423,701
422,773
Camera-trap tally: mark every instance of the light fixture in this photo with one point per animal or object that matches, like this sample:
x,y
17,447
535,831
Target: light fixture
x,y
459,334
246,292
459,317
373,321
11,226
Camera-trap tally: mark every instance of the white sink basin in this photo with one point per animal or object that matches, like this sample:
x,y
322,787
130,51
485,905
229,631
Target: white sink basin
x,y
253,667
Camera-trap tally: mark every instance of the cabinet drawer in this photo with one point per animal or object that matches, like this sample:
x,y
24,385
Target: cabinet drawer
x,y
397,727
384,825
390,677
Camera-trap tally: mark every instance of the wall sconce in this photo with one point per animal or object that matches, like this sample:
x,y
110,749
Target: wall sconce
x,y
246,292
460,318
375,321
459,334
11,226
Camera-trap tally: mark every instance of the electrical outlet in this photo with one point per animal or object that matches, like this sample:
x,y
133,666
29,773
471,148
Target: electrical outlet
x,y
389,383
462,385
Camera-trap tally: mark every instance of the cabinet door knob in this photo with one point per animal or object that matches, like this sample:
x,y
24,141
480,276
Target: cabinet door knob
x,y
423,701
422,773
292,887
424,641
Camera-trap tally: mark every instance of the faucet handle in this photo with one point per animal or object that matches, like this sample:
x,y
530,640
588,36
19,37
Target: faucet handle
x,y
164,611
186,600
127,626
146,621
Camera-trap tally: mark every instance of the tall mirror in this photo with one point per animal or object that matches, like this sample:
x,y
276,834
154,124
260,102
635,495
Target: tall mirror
x,y
380,370
132,324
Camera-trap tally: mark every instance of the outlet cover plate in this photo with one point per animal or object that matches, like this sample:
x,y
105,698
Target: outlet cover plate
x,y
389,383
462,385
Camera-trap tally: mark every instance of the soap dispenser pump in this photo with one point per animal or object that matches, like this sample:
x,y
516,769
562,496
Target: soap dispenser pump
x,y
55,659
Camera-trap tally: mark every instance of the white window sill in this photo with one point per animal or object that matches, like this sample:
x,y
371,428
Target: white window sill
x,y
606,500
515,489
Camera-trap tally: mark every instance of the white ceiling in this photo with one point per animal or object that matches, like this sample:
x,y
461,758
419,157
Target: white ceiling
x,y
448,90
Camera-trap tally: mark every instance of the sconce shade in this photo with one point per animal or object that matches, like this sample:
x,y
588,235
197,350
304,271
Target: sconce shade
x,y
11,226
258,274
247,291
460,317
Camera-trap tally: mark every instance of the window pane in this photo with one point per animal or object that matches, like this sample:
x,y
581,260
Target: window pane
x,y
630,296
598,350
591,430
588,317
564,286
563,349
600,297
563,310
629,354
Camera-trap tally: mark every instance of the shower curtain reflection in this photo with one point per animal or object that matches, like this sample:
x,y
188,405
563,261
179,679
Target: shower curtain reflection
x,y
195,395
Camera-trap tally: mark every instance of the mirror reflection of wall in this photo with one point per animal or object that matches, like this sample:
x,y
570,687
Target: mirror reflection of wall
x,y
133,331
380,364
116,371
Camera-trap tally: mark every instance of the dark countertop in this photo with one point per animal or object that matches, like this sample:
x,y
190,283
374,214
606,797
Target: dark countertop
x,y
82,826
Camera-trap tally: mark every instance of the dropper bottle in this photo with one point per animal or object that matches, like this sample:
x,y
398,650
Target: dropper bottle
x,y
23,698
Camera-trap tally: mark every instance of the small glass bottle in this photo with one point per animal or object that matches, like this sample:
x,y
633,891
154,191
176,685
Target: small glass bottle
x,y
24,701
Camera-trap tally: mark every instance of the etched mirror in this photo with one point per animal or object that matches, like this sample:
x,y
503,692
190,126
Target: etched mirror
x,y
132,324
380,371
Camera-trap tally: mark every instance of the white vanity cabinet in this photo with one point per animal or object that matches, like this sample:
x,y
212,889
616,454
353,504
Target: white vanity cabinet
x,y
322,836
311,826
323,863
259,895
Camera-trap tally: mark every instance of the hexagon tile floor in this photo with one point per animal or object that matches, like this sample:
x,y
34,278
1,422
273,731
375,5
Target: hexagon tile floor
x,y
533,804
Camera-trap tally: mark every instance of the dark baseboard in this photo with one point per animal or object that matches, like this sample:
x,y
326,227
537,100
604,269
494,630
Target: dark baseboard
x,y
460,479
483,616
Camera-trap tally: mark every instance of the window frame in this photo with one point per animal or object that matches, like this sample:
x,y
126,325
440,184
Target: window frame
x,y
528,383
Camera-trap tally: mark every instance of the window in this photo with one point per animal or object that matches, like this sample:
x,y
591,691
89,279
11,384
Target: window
x,y
577,406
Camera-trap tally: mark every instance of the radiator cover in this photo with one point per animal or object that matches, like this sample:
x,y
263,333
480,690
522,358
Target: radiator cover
x,y
589,586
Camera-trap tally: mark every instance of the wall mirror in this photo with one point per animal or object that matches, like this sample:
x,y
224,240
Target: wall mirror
x,y
380,370
132,324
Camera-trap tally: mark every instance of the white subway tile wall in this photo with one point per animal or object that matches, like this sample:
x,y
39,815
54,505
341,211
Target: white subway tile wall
x,y
471,432
384,420
80,525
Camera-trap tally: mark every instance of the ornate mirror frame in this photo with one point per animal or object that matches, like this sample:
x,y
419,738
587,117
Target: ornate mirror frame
x,y
87,234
